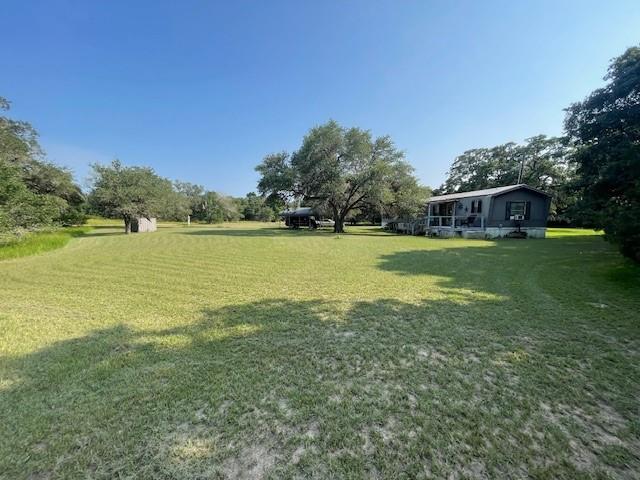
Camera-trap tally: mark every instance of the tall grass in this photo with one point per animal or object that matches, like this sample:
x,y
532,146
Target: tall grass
x,y
38,242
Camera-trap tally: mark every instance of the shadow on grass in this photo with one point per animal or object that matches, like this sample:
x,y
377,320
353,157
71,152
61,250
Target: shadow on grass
x,y
502,265
393,384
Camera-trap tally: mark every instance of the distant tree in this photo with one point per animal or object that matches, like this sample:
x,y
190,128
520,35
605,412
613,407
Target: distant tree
x,y
254,207
20,208
545,163
194,195
605,129
404,197
219,208
175,205
128,192
335,168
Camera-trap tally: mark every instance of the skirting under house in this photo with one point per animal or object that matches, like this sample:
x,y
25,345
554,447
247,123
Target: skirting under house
x,y
488,232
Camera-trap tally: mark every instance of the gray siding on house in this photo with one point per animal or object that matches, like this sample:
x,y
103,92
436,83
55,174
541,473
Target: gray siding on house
x,y
464,212
539,208
494,218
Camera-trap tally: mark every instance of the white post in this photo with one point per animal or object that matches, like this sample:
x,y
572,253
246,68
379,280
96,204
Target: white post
x,y
428,219
453,216
188,220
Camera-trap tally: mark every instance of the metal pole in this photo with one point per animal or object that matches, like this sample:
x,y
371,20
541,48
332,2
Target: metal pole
x,y
521,170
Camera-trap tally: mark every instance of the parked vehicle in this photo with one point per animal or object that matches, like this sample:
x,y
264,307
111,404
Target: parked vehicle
x,y
323,223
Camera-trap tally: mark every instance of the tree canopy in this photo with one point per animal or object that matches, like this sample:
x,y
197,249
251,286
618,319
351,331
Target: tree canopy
x,y
33,192
128,192
338,169
541,162
605,130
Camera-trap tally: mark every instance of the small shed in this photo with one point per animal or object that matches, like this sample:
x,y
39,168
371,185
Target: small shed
x,y
512,210
144,224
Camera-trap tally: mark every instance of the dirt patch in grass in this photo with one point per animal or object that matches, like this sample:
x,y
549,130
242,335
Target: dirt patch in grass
x,y
254,461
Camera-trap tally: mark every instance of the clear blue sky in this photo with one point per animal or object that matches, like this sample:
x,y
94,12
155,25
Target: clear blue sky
x,y
202,90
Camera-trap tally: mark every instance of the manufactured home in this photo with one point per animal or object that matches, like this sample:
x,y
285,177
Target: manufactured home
x,y
513,210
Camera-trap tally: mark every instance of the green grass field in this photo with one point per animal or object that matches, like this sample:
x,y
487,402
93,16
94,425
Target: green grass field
x,y
248,351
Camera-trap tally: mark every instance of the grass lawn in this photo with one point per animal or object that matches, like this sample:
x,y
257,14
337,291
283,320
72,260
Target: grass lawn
x,y
248,351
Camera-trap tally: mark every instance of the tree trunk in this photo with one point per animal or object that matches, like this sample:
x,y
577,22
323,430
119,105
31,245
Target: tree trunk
x,y
127,224
338,226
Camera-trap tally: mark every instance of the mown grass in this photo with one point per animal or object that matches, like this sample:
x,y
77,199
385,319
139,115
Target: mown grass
x,y
248,351
38,242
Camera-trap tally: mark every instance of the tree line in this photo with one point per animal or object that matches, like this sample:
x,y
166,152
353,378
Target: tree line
x,y
37,194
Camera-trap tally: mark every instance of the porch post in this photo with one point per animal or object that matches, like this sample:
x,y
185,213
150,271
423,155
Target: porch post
x,y
428,218
453,215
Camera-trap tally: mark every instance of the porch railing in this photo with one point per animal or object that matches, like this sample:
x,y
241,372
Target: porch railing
x,y
447,221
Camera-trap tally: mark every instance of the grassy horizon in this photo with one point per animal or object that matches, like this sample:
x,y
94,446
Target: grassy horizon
x,y
251,351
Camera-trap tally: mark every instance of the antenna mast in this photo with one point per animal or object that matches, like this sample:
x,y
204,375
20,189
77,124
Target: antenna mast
x,y
521,170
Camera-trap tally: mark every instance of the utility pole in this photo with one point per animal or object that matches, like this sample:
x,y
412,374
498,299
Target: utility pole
x,y
521,170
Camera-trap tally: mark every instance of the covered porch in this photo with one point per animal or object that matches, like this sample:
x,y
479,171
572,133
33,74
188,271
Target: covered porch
x,y
448,219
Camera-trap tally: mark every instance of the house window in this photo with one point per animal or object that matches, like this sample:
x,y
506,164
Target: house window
x,y
476,206
518,208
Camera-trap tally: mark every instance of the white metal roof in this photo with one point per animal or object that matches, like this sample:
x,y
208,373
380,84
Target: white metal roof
x,y
483,193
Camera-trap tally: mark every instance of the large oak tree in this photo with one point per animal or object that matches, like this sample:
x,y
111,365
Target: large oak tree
x,y
336,168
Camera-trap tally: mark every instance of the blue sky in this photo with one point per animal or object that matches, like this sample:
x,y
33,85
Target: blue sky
x,y
202,90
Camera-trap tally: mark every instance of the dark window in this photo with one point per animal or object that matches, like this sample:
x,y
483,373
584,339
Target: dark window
x,y
518,208
476,206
